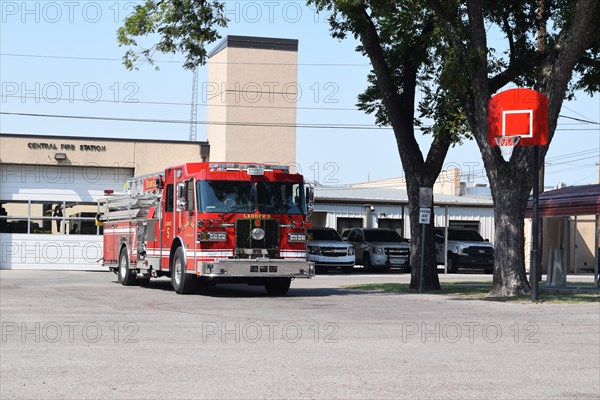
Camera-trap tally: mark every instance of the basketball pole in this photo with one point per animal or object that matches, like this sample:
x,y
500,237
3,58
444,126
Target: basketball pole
x,y
533,271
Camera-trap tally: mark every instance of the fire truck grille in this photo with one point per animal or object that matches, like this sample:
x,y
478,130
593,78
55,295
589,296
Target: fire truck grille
x,y
243,234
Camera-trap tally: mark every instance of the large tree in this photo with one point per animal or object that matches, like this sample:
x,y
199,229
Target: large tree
x,y
546,41
406,55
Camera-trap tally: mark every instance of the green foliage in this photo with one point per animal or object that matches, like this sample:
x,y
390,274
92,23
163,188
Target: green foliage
x,y
413,49
185,26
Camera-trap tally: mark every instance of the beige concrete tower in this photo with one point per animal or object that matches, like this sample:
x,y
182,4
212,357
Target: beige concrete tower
x,y
251,95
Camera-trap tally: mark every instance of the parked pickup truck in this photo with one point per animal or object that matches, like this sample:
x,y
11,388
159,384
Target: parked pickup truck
x,y
466,249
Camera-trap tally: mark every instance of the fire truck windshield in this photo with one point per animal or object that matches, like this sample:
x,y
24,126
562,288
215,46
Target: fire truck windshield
x,y
280,198
226,196
244,196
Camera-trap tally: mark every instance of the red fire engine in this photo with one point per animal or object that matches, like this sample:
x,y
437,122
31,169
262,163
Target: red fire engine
x,y
210,223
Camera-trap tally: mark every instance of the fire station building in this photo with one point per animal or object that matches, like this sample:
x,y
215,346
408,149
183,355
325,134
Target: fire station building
x,y
51,187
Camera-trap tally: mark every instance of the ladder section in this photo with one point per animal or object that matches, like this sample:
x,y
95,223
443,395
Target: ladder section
x,y
127,207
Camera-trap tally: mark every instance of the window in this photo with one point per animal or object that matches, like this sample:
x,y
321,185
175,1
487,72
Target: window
x,y
344,223
14,216
377,235
80,218
169,198
49,217
189,193
325,234
394,224
472,225
226,196
280,198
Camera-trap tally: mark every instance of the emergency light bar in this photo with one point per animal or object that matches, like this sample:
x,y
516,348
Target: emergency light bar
x,y
251,169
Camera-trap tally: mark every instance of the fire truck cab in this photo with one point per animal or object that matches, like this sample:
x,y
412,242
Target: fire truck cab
x,y
210,223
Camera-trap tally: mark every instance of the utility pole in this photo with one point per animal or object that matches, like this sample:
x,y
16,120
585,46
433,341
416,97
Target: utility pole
x,y
194,113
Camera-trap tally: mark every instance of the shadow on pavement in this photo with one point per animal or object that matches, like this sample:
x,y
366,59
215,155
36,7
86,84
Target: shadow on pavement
x,y
241,290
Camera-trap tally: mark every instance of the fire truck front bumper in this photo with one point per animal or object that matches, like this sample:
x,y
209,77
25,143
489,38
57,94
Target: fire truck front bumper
x,y
257,268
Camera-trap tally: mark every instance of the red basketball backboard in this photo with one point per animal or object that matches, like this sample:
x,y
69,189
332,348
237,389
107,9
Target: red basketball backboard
x,y
518,112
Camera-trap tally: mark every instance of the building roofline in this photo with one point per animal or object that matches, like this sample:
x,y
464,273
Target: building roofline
x,y
457,203
255,42
99,139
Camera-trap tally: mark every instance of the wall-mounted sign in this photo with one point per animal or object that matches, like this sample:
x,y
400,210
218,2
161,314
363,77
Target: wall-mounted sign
x,y
67,147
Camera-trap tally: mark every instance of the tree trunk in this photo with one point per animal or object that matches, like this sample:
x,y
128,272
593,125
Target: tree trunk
x,y
400,107
510,203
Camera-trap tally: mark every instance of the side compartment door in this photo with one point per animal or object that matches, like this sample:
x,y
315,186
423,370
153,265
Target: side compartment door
x,y
110,246
168,220
186,216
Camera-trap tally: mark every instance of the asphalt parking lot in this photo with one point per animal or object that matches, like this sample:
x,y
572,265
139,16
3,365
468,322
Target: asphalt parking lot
x,y
81,335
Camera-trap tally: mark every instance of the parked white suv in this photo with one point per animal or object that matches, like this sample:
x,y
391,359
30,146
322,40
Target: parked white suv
x,y
327,250
379,249
466,249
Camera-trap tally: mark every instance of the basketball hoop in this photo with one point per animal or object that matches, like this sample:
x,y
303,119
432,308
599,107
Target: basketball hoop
x,y
507,145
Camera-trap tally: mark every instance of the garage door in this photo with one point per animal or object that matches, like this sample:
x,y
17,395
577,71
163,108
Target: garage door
x,y
47,215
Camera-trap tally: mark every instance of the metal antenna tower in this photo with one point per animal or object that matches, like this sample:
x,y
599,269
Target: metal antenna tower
x,y
194,113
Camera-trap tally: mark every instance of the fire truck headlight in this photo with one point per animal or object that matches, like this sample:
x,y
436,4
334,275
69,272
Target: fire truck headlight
x,y
296,237
258,234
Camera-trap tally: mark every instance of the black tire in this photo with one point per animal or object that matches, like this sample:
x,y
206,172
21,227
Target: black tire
x,y
348,270
126,276
182,282
278,286
452,264
367,262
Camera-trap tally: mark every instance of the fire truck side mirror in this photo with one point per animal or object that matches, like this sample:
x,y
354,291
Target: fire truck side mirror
x,y
181,193
310,198
160,183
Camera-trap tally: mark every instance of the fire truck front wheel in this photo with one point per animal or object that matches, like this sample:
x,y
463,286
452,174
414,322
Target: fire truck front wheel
x,y
182,282
278,286
126,276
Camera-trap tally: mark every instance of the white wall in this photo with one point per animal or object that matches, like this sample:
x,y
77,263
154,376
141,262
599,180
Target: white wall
x,y
59,183
60,252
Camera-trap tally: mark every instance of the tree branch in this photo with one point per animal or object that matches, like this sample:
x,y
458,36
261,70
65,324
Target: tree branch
x,y
448,26
400,113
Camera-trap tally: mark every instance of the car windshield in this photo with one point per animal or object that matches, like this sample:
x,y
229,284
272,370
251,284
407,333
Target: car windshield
x,y
243,196
325,234
382,236
464,235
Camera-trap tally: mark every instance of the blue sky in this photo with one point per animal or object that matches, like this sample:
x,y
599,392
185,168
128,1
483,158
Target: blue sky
x,y
68,50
